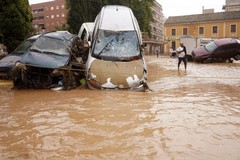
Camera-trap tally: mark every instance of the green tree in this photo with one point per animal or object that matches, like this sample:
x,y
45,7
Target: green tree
x,y
15,22
81,11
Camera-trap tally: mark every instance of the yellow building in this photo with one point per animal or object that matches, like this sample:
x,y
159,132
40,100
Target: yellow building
x,y
208,25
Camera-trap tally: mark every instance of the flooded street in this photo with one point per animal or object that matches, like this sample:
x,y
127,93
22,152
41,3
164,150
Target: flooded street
x,y
187,116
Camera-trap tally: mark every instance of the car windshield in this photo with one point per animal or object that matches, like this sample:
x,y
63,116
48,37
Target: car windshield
x,y
50,45
23,47
210,47
120,45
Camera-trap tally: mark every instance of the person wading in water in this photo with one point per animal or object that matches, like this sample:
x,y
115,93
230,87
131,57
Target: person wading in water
x,y
182,56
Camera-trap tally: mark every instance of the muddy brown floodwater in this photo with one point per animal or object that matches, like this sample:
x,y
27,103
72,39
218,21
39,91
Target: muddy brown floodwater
x,y
192,116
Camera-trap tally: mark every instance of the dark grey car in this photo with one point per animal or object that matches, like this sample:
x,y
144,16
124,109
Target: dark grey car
x,y
54,60
7,63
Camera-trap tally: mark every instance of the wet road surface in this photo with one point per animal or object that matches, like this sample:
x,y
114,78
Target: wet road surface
x,y
193,115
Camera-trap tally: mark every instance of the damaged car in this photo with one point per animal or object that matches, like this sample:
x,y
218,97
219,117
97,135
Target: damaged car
x,y
219,50
115,59
53,61
7,63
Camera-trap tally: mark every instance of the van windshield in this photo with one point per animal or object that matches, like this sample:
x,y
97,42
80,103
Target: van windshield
x,y
120,45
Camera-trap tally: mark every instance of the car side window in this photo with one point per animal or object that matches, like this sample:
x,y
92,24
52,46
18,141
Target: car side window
x,y
225,48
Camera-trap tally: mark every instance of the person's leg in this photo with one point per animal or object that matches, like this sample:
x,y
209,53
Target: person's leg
x,y
185,63
179,62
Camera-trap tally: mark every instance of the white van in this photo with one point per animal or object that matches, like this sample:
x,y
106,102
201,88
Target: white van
x,y
85,35
115,59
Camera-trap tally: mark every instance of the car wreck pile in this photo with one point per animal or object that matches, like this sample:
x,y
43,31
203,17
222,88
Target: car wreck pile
x,y
106,54
53,60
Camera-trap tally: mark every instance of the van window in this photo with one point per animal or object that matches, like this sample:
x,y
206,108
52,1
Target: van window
x,y
83,34
116,44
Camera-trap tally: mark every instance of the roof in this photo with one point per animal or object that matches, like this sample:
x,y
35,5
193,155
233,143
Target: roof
x,y
203,17
225,41
116,17
63,35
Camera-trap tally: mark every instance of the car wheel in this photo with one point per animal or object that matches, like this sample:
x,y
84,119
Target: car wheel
x,y
237,57
229,60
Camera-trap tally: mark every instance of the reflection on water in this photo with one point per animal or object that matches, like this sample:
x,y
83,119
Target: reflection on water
x,y
186,116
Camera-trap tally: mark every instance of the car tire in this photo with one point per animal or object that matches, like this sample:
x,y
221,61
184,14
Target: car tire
x,y
237,57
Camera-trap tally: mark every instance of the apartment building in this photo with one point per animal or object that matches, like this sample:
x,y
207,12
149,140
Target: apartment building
x,y
207,25
155,40
48,16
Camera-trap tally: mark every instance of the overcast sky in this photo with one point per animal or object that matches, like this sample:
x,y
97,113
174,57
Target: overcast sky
x,y
187,7
180,7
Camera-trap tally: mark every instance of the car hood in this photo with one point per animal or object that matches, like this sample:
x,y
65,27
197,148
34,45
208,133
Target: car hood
x,y
9,61
44,60
35,59
200,53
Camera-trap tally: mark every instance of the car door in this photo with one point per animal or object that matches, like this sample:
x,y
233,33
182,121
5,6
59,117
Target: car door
x,y
225,51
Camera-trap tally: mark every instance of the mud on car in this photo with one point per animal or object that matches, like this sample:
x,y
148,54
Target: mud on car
x,y
54,60
115,59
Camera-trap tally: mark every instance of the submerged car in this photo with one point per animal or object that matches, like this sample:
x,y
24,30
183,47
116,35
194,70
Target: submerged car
x,y
115,59
218,50
54,60
7,63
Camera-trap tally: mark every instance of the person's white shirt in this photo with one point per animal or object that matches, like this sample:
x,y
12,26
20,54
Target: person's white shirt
x,y
180,52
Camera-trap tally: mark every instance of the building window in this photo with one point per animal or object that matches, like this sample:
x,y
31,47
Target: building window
x,y
62,6
201,30
38,18
52,8
233,28
214,29
52,16
63,15
173,32
57,7
41,25
185,31
173,45
37,10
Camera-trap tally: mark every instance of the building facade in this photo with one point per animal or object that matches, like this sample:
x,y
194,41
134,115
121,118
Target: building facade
x,y
207,25
212,25
155,40
232,5
49,16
